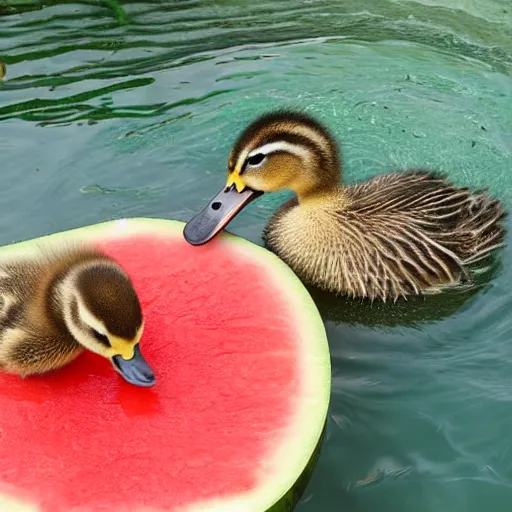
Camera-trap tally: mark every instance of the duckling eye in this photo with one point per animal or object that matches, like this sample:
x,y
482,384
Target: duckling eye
x,y
101,338
256,160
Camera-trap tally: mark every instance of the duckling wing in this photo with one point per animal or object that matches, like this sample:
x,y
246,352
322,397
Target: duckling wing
x,y
29,341
16,287
468,222
420,230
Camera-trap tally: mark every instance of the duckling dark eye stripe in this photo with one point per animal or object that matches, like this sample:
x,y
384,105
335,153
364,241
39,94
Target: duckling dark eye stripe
x,y
273,152
101,338
301,149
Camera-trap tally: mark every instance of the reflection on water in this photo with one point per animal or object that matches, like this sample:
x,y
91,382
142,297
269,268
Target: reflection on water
x,y
113,109
413,312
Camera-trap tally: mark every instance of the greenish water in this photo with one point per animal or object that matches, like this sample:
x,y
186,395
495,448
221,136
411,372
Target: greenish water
x,y
107,113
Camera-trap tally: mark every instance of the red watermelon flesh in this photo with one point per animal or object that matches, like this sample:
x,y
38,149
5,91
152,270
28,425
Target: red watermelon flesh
x,y
225,334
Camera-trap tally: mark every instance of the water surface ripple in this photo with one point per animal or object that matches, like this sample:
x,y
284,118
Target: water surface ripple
x,y
112,110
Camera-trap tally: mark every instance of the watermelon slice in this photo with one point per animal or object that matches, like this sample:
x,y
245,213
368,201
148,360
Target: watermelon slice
x,y
235,421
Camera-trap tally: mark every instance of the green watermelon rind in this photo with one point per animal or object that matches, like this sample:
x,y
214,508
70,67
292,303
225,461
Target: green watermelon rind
x,y
278,492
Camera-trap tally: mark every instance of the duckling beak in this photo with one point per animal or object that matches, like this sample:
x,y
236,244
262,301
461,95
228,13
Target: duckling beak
x,y
135,370
217,214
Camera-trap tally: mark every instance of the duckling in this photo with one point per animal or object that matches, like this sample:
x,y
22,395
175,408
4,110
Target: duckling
x,y
395,235
58,302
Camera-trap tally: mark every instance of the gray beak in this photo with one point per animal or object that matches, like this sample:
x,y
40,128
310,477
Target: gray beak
x,y
136,370
217,214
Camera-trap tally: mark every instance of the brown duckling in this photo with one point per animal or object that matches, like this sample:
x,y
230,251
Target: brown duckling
x,y
56,303
397,234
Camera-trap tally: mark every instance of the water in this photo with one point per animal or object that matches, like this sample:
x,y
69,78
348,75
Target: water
x,y
107,113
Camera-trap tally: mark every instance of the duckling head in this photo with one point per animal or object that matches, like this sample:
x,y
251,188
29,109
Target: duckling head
x,y
280,150
102,311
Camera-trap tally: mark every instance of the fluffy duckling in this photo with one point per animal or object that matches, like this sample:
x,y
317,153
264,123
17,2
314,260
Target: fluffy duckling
x,y
398,234
57,303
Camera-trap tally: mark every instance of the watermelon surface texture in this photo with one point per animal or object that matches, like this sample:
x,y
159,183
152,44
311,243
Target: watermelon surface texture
x,y
235,420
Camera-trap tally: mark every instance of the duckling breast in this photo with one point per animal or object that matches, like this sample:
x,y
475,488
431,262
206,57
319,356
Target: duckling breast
x,y
308,240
